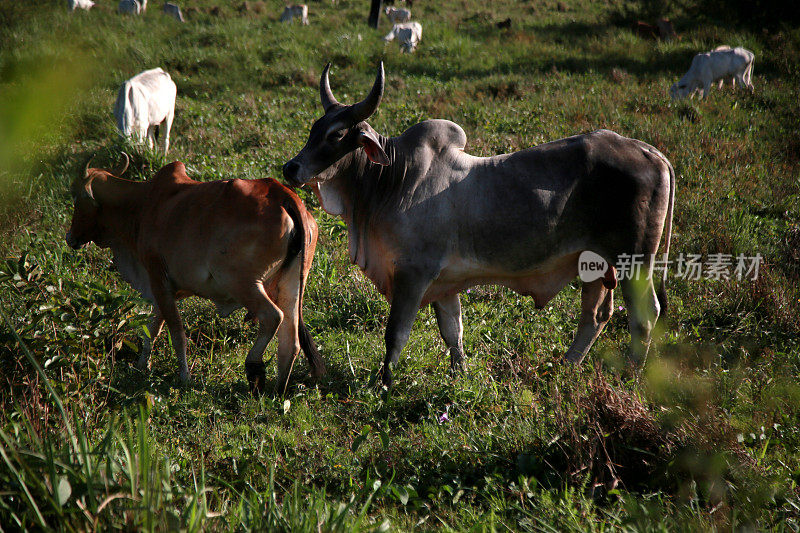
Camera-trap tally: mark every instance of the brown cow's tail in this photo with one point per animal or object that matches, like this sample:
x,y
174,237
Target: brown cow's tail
x,y
297,247
662,290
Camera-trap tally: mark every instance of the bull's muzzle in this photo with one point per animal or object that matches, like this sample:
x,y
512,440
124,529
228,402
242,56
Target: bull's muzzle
x,y
291,170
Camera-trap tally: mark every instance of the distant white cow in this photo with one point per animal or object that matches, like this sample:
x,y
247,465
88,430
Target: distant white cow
x,y
295,11
145,102
130,7
173,11
722,63
396,14
79,4
409,34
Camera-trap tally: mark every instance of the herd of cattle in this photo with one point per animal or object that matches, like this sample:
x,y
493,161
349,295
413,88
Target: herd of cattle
x,y
407,33
425,221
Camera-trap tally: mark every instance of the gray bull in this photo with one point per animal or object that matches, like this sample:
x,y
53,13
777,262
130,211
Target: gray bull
x,y
426,220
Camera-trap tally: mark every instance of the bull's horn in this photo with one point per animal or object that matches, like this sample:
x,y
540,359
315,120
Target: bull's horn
x,y
325,93
86,168
122,166
365,108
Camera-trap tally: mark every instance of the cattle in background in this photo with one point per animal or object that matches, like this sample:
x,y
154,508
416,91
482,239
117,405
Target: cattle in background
x,y
72,5
645,30
662,29
295,11
130,7
504,24
396,14
174,11
723,63
239,243
409,34
665,29
426,220
144,103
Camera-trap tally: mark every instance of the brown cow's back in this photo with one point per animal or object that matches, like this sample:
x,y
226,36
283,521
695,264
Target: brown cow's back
x,y
210,235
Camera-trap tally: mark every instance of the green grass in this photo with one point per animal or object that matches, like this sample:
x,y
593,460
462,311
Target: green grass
x,y
706,438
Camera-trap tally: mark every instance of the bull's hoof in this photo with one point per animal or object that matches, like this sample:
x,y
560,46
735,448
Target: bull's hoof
x,y
256,377
384,377
457,362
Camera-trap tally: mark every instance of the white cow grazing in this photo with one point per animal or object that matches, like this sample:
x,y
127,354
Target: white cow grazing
x,y
396,14
295,11
722,63
145,102
79,4
130,7
174,11
408,33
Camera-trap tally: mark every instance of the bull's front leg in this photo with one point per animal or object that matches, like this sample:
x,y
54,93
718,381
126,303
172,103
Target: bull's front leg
x,y
448,317
408,288
153,331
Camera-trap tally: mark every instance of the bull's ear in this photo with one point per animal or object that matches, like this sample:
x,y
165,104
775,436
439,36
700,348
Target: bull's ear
x,y
373,148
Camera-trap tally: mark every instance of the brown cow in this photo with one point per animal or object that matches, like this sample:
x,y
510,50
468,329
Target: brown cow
x,y
238,243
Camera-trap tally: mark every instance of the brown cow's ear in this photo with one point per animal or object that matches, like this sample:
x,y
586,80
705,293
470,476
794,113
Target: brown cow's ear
x,y
373,148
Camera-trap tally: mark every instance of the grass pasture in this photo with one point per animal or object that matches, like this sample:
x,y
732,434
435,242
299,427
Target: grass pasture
x,y
706,438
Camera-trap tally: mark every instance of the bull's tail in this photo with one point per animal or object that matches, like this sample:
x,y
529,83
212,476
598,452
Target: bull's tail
x,y
662,290
297,247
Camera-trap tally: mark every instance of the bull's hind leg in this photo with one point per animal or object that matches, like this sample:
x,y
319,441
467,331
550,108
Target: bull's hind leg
x,y
643,310
596,308
448,316
269,317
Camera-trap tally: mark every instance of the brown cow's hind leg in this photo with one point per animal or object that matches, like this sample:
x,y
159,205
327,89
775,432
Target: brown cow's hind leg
x,y
269,317
288,340
596,308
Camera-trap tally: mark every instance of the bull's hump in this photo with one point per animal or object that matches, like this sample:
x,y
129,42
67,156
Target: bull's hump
x,y
172,173
438,134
